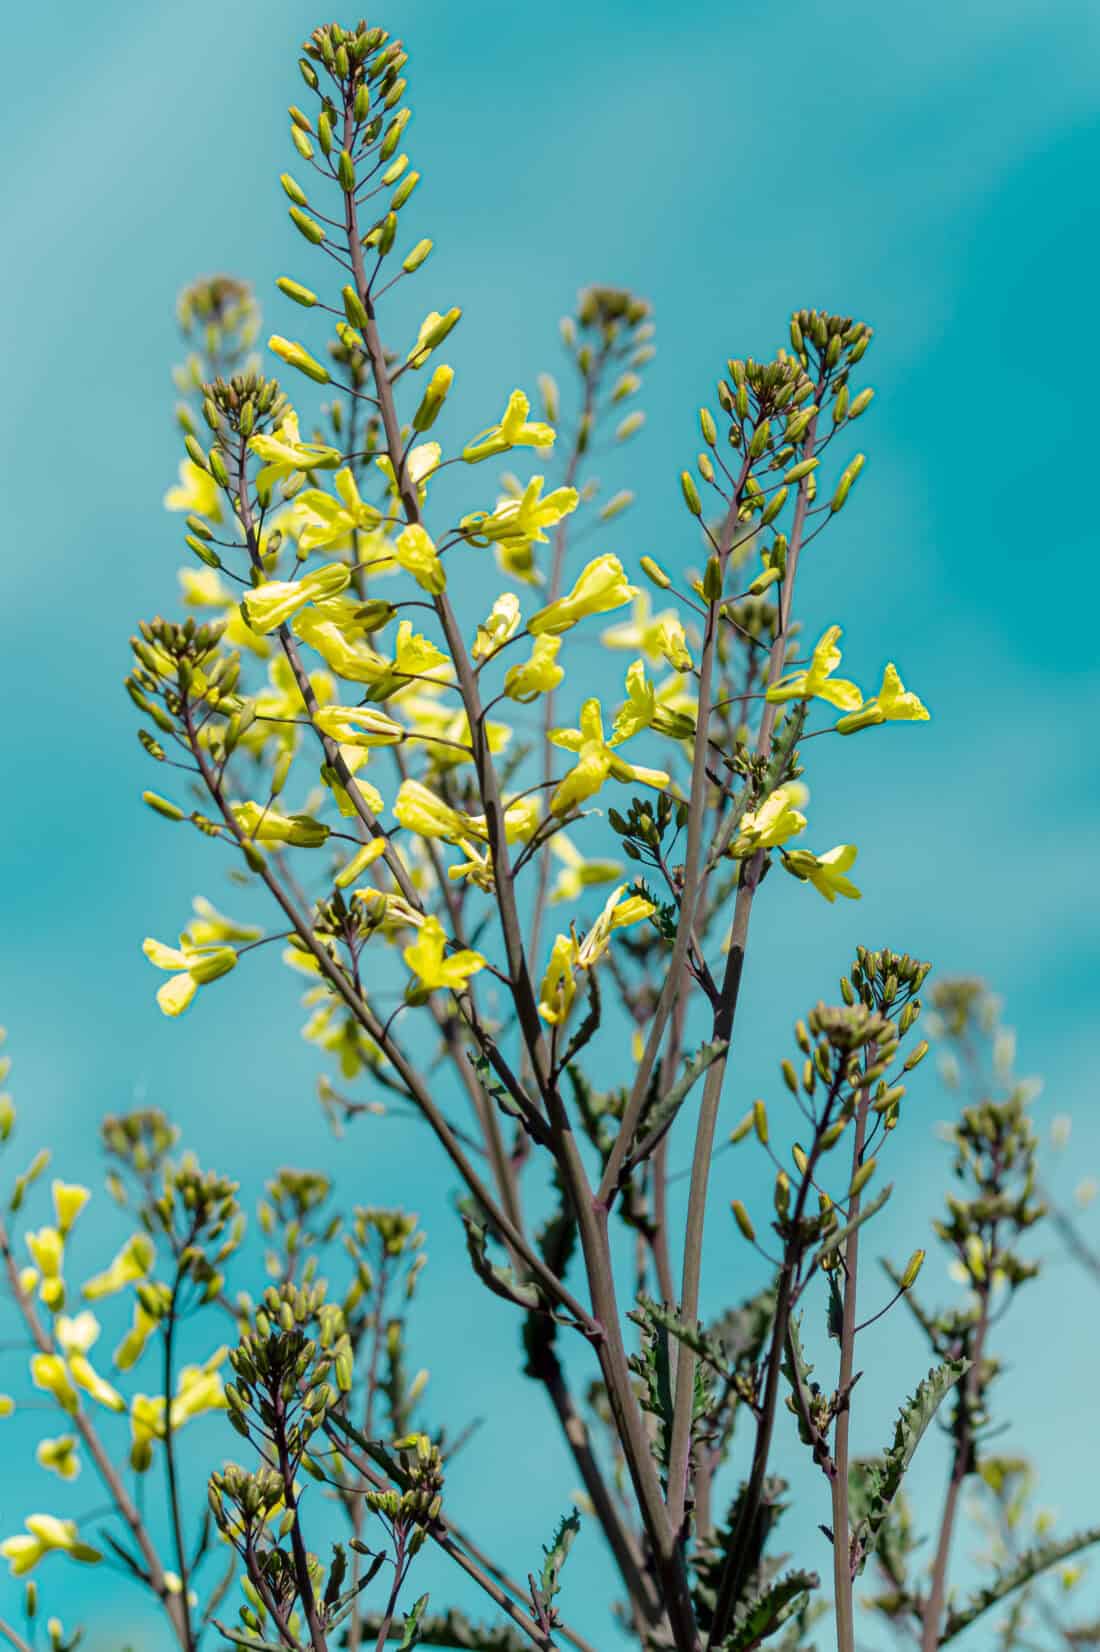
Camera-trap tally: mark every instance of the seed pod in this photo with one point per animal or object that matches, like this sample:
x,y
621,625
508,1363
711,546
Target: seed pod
x,y
691,493
161,806
741,1217
403,191
307,226
740,1131
862,1177
345,172
655,573
301,143
354,308
912,1268
708,426
294,289
760,1122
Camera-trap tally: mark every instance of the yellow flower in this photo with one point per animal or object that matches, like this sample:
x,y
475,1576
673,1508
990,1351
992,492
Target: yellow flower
x,y
595,762
537,675
360,726
776,820
132,1263
132,1346
426,958
85,1376
419,810
892,704
59,1456
277,600
558,987
69,1200
617,914
415,551
600,587
197,492
326,521
520,522
199,1390
815,683
657,636
514,430
196,967
147,1414
78,1334
210,928
419,466
825,872
50,1373
265,825
7,1405
47,1249
46,1534
502,622
578,874
287,458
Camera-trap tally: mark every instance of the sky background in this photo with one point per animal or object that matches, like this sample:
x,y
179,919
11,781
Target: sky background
x,y
932,172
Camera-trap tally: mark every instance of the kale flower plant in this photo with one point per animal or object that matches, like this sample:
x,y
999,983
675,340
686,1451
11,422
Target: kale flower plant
x,y
383,712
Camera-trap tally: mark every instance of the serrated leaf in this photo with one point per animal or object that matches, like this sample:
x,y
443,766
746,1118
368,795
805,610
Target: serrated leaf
x,y
883,1479
1030,1564
453,1629
501,1280
769,1611
556,1555
696,1337
411,1633
590,1026
661,1117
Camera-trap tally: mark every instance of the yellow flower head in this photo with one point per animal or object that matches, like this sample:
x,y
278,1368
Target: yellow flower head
x,y
537,675
825,872
69,1200
595,762
514,430
132,1263
892,704
600,587
617,914
197,492
59,1456
427,959
45,1534
503,621
816,682
558,987
286,458
578,874
777,819
520,522
276,601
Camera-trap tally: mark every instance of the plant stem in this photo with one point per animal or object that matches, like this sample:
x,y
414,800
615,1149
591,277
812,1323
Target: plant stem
x,y
170,1467
842,1560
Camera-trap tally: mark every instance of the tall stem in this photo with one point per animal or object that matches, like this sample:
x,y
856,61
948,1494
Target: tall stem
x,y
842,1560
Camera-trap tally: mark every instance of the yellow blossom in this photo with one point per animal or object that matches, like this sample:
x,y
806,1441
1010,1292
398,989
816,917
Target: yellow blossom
x,y
287,458
521,521
617,914
265,825
46,1533
657,636
537,675
595,762
326,521
50,1373
415,551
427,958
132,1263
558,987
422,460
69,1200
600,587
7,1405
132,1346
78,1334
197,965
87,1377
277,600
577,873
816,682
419,810
360,726
514,430
210,927
825,872
197,492
776,820
59,1456
502,622
892,704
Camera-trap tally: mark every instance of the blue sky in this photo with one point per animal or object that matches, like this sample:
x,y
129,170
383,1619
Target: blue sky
x,y
731,163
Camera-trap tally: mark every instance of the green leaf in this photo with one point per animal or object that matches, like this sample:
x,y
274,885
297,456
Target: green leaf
x,y
755,1620
502,1281
590,1026
660,1119
336,1574
556,1555
453,1629
411,1633
652,1314
841,1236
1029,1565
882,1479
